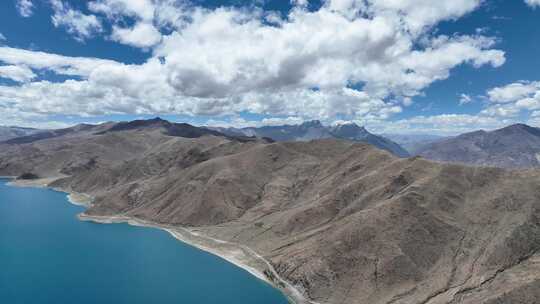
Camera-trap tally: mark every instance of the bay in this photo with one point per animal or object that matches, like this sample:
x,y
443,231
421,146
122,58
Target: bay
x,y
48,256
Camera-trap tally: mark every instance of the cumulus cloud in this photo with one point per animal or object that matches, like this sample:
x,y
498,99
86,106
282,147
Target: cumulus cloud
x,y
511,103
143,9
234,53
75,22
2,37
64,65
350,59
415,15
239,122
514,99
446,124
142,35
464,99
16,73
533,3
513,92
25,7
302,3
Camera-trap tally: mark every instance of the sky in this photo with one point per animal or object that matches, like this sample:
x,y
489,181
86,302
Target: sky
x,y
394,66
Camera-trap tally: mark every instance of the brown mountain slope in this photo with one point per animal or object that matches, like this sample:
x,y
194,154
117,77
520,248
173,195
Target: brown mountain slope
x,y
344,222
516,146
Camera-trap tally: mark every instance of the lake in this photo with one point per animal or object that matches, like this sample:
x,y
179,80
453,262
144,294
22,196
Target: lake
x,y
48,256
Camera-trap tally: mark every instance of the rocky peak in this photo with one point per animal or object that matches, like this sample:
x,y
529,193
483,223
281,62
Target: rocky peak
x,y
520,128
312,124
350,130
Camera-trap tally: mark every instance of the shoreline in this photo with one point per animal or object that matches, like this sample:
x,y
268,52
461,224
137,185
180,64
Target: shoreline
x,y
239,255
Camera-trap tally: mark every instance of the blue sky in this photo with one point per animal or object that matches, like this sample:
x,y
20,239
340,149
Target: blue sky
x,y
413,66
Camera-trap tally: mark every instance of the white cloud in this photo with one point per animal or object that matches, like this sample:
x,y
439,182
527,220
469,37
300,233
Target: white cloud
x,y
515,100
225,61
75,66
415,15
301,3
142,9
142,35
234,52
512,92
238,122
2,37
13,117
444,124
533,3
25,7
16,73
464,99
504,111
75,22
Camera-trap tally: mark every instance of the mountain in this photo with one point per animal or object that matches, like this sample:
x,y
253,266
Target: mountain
x,y
314,129
12,132
414,142
339,220
516,146
47,134
352,131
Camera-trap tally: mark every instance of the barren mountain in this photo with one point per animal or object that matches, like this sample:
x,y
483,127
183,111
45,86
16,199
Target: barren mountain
x,y
12,132
312,130
516,146
342,221
414,142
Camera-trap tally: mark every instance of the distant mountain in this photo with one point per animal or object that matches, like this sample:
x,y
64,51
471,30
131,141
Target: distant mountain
x,y
314,129
12,132
414,142
157,125
515,146
47,134
352,131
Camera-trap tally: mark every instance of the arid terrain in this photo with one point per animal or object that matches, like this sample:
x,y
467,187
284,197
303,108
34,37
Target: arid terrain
x,y
515,146
343,222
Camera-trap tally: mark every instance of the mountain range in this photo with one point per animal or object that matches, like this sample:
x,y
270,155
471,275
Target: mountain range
x,y
341,221
13,132
414,142
515,146
314,129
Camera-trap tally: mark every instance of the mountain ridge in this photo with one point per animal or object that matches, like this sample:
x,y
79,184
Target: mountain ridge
x,y
314,129
514,146
9,132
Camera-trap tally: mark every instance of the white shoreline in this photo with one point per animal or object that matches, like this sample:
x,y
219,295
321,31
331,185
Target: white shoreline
x,y
233,254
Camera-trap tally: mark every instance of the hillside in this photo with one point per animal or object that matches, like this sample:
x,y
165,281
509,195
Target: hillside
x,y
515,146
342,221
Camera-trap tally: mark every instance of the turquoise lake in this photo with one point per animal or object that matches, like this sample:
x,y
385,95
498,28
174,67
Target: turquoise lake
x,y
48,256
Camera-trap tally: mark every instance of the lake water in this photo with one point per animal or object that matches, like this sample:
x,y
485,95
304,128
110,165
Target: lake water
x,y
48,256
